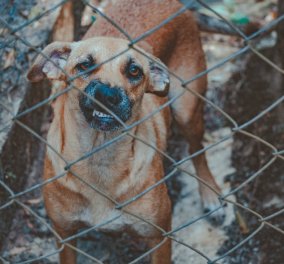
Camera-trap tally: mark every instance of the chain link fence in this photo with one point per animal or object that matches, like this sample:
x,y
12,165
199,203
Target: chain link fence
x,y
10,35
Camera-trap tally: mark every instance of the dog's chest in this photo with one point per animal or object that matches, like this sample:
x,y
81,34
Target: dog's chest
x,y
112,221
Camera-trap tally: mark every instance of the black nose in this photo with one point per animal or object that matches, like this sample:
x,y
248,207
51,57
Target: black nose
x,y
106,95
99,99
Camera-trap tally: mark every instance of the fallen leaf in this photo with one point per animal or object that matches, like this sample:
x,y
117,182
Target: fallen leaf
x,y
9,59
242,223
17,250
34,201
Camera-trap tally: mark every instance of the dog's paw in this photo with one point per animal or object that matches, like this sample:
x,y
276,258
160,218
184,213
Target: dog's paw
x,y
217,217
214,209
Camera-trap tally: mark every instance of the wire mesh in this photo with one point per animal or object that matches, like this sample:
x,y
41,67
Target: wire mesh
x,y
176,165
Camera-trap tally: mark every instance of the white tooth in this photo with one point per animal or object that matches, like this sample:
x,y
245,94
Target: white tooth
x,y
100,114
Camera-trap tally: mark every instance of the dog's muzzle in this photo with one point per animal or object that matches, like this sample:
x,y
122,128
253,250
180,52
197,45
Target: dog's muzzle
x,y
112,98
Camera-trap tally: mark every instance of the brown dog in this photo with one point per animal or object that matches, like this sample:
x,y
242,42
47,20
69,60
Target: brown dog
x,y
123,89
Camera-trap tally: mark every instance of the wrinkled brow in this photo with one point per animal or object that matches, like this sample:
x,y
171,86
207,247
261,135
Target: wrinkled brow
x,y
89,58
131,60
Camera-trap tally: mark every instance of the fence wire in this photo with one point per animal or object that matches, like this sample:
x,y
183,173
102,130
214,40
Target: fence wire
x,y
176,165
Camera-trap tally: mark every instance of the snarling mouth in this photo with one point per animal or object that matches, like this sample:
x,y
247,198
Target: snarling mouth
x,y
103,121
99,119
114,99
98,114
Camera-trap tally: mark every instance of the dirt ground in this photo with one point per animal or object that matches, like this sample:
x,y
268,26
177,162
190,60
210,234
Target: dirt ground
x,y
30,239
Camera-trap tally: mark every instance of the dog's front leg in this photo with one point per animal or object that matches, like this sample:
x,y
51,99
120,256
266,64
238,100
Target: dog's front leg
x,y
163,253
67,255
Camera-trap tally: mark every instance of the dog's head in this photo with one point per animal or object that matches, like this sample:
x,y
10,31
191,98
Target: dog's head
x,y
111,77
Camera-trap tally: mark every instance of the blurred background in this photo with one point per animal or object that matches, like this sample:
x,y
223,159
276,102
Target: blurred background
x,y
243,84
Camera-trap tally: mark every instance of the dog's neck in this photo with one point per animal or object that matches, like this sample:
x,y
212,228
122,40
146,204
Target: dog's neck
x,y
72,138
110,166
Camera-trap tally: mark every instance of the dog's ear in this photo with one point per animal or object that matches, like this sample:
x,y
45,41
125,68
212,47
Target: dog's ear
x,y
159,79
58,53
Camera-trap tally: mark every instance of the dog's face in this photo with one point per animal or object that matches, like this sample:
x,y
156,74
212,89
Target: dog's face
x,y
112,81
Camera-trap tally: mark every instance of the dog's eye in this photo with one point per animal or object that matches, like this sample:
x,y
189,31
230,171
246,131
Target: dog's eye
x,y
134,71
85,65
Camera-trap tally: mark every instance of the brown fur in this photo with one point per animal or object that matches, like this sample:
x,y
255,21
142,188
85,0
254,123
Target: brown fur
x,y
128,166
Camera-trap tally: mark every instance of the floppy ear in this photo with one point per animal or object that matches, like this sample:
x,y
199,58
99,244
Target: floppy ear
x,y
159,79
58,53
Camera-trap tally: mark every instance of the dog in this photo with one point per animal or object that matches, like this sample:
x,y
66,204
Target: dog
x,y
108,98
